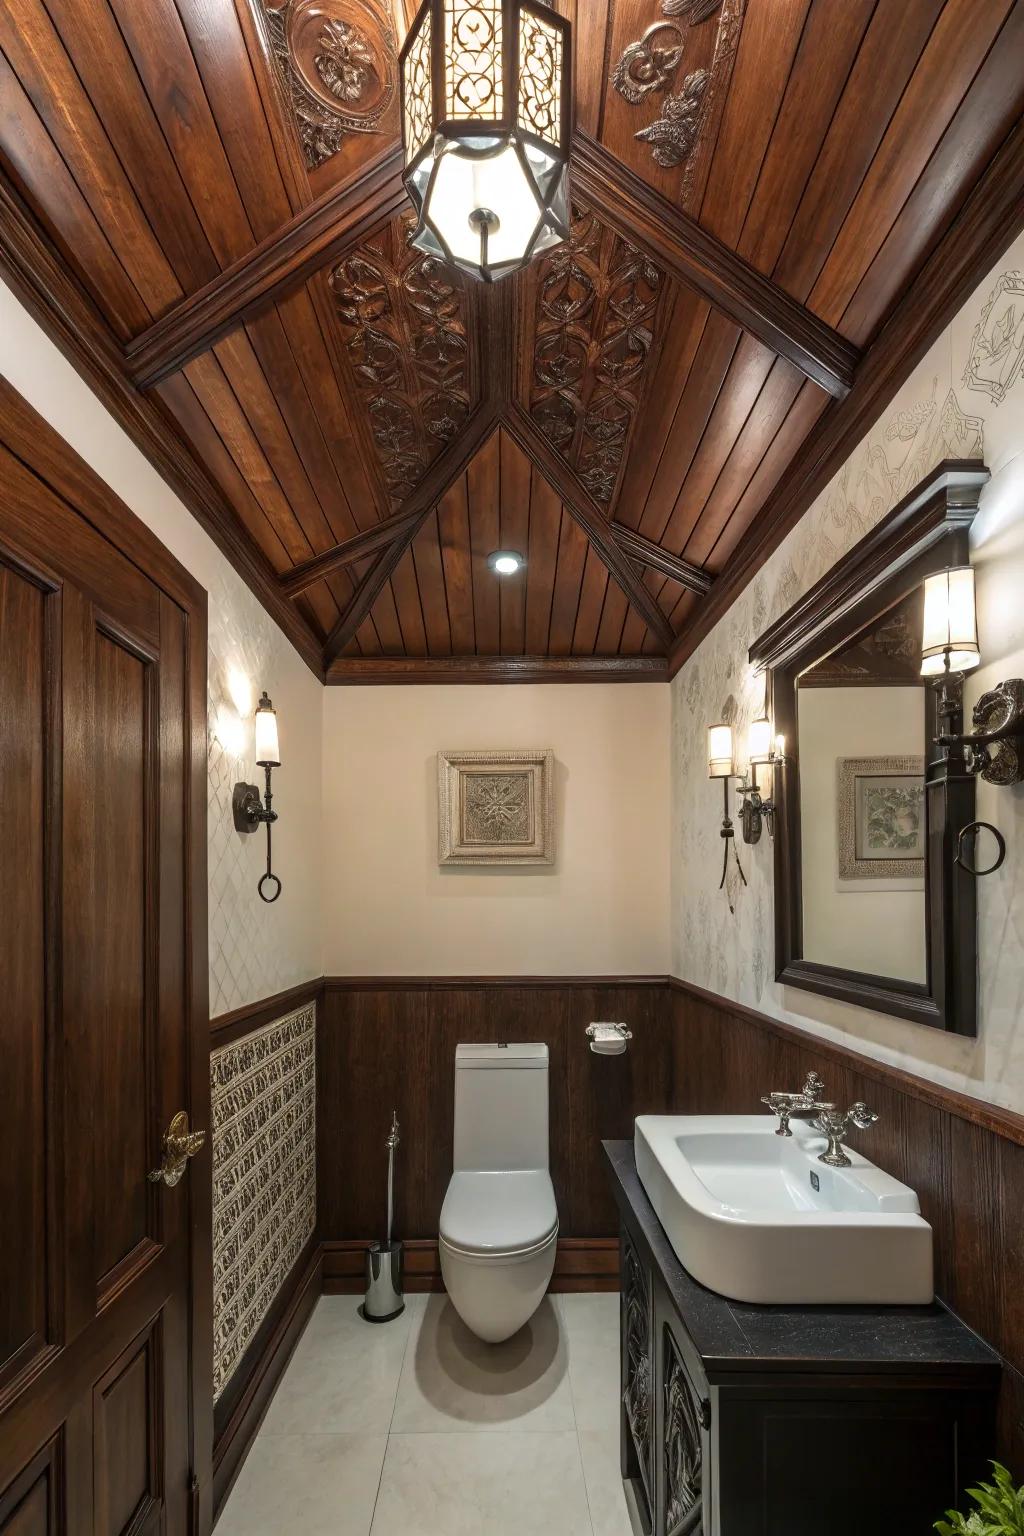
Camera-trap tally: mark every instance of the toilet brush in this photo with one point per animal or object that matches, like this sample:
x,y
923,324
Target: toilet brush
x,y
384,1300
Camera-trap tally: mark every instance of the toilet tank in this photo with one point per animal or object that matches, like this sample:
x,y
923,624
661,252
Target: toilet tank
x,y
501,1107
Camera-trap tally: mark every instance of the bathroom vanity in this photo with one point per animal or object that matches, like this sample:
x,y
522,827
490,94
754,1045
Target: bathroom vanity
x,y
771,1420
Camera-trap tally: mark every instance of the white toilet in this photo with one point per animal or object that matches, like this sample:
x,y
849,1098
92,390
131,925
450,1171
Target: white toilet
x,y
499,1222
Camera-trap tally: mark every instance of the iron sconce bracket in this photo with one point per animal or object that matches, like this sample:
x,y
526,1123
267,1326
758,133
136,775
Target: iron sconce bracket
x,y
251,812
994,750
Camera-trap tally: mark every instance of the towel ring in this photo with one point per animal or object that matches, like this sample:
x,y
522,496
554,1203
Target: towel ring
x,y
272,881
972,828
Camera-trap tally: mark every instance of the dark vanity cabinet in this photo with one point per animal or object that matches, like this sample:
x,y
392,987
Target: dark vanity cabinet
x,y
742,1420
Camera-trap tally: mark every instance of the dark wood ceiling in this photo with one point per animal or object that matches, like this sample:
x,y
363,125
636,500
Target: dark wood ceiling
x,y
775,208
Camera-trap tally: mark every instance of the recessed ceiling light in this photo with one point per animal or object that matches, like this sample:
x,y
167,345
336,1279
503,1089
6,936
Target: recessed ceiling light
x,y
505,562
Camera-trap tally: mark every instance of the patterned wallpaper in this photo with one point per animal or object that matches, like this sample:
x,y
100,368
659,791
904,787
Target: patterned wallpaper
x,y
965,400
257,949
264,1175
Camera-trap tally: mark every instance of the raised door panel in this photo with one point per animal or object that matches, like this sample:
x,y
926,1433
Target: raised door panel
x,y
127,1431
32,1505
25,691
122,979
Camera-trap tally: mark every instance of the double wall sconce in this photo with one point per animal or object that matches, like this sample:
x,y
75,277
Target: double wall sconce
x,y
763,750
252,812
994,750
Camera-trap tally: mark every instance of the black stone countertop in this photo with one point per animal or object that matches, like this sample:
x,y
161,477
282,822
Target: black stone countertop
x,y
739,1336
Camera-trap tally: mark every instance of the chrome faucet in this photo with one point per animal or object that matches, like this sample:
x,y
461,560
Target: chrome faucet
x,y
804,1104
835,1126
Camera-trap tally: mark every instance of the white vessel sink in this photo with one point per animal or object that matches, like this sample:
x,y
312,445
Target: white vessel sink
x,y
756,1217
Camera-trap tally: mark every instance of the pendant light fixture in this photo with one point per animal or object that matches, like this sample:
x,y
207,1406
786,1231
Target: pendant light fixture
x,y
486,121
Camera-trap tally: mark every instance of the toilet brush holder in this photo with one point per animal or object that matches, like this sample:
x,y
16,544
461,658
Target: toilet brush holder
x,y
384,1299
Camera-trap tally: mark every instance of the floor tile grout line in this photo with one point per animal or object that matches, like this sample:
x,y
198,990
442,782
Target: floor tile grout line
x,y
394,1407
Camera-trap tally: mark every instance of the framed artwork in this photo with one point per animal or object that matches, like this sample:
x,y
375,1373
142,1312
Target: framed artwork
x,y
880,814
496,807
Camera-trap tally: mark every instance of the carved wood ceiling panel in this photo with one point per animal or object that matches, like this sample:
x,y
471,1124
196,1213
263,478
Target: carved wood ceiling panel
x,y
596,305
219,178
405,319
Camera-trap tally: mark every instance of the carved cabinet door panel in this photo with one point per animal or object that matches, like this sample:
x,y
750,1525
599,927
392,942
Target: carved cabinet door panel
x,y
95,760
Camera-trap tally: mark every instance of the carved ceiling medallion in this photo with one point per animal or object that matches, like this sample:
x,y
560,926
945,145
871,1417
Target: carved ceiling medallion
x,y
673,135
596,304
404,319
649,65
337,59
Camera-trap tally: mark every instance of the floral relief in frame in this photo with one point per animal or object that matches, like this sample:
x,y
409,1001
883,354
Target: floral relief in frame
x,y
496,807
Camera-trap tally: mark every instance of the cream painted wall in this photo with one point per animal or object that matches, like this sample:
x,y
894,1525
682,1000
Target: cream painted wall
x,y
602,909
965,400
255,949
862,925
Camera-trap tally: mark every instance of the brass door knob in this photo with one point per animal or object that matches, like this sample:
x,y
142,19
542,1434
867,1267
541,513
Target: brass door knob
x,y
179,1145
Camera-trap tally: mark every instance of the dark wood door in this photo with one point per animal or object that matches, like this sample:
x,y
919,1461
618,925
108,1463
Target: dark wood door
x,y
96,994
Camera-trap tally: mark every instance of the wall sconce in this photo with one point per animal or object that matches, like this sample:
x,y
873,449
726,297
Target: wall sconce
x,y
763,750
949,649
721,766
250,812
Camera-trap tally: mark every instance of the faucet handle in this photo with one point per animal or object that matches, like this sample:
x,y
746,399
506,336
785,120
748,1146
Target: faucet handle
x,y
813,1087
835,1125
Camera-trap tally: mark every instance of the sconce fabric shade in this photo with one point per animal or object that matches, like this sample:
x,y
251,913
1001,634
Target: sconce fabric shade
x,y
720,755
760,745
268,751
949,640
486,124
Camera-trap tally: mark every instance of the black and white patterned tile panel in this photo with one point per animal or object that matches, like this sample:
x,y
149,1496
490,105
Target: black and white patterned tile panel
x,y
263,1090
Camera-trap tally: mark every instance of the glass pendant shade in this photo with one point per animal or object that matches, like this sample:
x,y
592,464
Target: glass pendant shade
x,y
268,752
720,755
486,127
949,641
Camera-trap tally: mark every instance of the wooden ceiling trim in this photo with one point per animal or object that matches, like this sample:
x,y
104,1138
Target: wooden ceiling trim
x,y
699,259
992,216
986,115
45,180
446,468
35,51
828,50
340,219
368,542
956,50
652,555
590,518
768,48
892,46
350,671
39,277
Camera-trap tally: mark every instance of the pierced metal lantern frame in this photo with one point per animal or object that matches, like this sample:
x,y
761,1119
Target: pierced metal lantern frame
x,y
519,95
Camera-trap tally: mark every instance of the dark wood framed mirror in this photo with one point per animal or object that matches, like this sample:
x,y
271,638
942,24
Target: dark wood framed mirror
x,y
872,905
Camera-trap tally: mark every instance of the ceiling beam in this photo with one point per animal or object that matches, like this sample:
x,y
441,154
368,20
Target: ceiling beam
x,y
343,217
591,519
294,582
648,553
989,220
366,670
444,471
41,279
700,260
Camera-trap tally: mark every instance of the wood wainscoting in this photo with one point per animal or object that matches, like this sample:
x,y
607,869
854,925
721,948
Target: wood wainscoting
x,y
964,1158
390,1044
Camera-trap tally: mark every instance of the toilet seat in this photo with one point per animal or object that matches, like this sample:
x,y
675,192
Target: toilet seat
x,y
499,1216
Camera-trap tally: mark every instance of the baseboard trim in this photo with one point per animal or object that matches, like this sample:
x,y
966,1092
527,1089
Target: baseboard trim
x,y
581,1264
262,1368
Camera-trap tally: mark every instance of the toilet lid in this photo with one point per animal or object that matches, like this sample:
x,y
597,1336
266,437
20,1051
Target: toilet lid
x,y
499,1212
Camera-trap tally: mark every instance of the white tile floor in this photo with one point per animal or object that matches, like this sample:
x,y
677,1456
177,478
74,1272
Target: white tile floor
x,y
417,1426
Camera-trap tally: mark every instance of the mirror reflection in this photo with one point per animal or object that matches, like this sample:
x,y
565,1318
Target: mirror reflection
x,y
861,736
